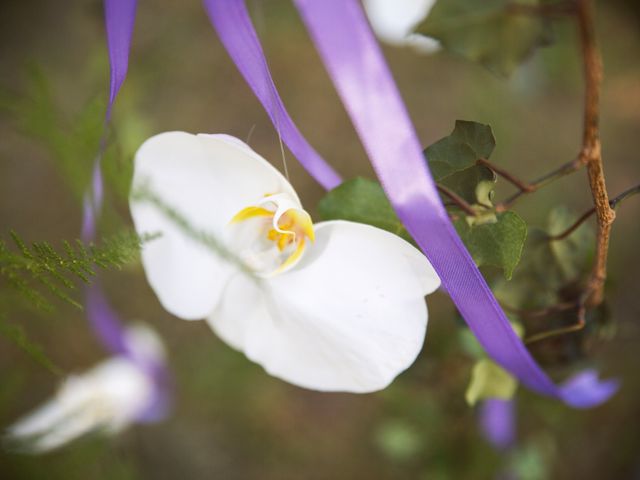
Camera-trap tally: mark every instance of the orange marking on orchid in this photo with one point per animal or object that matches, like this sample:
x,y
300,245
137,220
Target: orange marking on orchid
x,y
293,257
297,221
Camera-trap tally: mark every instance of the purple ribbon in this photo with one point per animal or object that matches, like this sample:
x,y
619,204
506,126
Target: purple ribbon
x,y
360,74
236,32
119,20
497,422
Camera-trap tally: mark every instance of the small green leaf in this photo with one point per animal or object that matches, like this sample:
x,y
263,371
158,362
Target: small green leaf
x,y
491,32
574,253
498,243
398,440
475,185
548,267
489,380
364,201
469,142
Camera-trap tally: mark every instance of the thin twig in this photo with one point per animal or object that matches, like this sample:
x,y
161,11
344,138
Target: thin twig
x,y
522,185
579,325
573,227
554,9
458,200
613,203
535,185
542,312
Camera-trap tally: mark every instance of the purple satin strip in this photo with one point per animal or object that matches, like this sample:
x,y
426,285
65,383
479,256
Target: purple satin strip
x,y
364,83
497,419
119,21
362,78
231,20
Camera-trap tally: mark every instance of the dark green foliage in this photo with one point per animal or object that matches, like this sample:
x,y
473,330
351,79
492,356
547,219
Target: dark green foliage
x,y
498,242
468,143
453,161
550,268
364,201
494,33
493,239
39,268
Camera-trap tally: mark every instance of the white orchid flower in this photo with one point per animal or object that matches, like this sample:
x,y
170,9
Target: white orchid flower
x,y
393,21
335,306
105,399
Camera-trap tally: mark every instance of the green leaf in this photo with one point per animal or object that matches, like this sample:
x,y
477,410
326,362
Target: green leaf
x,y
549,267
364,201
29,269
489,380
490,32
498,243
475,185
469,142
398,440
574,253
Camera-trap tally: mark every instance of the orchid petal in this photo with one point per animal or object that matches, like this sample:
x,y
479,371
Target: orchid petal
x,y
108,397
350,316
207,179
394,21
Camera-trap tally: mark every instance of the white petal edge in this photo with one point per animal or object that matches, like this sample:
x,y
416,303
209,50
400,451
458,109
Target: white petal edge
x,y
107,397
394,20
206,179
349,317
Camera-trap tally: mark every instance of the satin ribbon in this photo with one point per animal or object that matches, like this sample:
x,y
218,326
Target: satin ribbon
x,y
236,31
364,83
497,419
119,21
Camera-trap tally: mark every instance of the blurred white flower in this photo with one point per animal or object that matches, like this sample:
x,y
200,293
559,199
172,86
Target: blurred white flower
x,y
105,399
393,22
335,306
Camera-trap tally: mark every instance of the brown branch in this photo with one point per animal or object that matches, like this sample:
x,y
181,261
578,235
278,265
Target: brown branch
x,y
591,149
579,325
457,200
522,185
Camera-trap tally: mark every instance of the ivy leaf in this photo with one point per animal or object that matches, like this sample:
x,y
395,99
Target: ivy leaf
x,y
489,380
498,243
491,32
364,201
574,253
475,185
549,267
469,142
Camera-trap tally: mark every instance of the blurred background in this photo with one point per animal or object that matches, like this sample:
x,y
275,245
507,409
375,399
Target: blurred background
x,y
230,419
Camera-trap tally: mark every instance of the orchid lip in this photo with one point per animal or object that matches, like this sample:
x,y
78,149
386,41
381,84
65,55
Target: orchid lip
x,y
279,222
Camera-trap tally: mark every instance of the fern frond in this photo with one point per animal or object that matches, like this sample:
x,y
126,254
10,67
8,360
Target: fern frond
x,y
27,267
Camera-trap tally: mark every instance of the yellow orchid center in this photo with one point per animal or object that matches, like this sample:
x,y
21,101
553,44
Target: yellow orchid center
x,y
283,224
